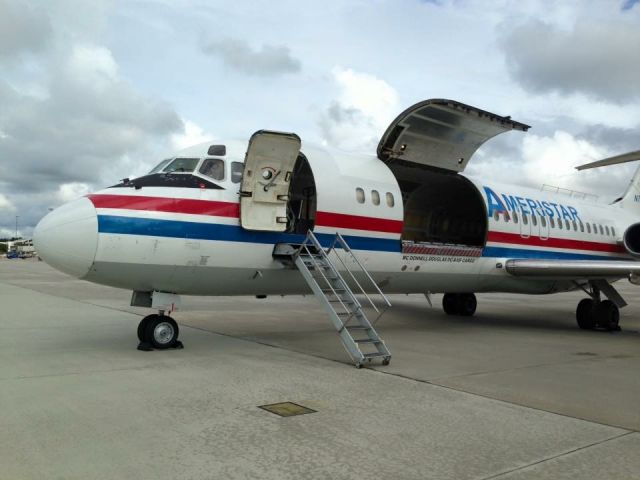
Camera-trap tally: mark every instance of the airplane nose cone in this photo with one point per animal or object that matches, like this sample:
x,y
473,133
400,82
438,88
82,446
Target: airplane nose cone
x,y
67,238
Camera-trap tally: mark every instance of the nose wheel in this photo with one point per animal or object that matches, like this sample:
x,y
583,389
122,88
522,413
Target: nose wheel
x,y
158,332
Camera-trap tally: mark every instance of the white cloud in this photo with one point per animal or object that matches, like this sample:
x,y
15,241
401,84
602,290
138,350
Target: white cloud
x,y
71,191
93,64
364,108
372,96
191,135
594,57
551,159
24,28
268,60
5,203
537,160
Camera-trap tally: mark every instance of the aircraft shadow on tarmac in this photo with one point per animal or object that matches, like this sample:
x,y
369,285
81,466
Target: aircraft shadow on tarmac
x,y
412,316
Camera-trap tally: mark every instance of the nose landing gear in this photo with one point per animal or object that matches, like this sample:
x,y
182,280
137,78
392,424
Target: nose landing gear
x,y
158,331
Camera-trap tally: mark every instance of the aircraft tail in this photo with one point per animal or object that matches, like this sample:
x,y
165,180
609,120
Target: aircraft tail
x,y
631,198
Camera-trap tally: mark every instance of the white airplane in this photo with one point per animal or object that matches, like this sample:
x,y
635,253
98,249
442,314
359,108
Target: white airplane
x,y
268,218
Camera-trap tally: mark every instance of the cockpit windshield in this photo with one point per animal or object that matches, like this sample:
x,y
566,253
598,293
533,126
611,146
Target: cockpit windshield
x,y
181,165
160,166
213,167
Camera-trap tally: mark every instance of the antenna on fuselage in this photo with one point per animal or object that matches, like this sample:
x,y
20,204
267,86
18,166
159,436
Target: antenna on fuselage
x,y
624,158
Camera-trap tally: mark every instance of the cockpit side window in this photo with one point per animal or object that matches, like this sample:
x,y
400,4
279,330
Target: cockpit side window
x,y
237,168
213,168
160,166
180,165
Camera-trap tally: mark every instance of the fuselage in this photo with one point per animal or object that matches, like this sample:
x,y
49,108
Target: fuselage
x,y
415,232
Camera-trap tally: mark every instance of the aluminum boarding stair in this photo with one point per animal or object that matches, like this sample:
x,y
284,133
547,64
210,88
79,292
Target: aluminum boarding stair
x,y
357,333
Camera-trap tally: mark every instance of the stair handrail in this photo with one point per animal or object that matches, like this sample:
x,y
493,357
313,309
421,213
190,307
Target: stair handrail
x,y
311,237
345,246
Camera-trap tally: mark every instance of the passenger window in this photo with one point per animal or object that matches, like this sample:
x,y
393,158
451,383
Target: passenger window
x,y
607,229
588,228
507,217
595,229
613,231
390,201
360,195
496,215
375,197
560,224
515,217
525,220
601,230
534,220
182,165
552,222
575,225
581,226
213,168
237,169
566,224
543,221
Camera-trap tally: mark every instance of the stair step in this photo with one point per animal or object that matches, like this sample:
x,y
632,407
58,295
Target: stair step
x,y
324,277
374,355
358,327
366,340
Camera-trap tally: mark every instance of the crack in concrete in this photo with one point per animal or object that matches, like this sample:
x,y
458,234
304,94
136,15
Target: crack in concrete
x,y
563,454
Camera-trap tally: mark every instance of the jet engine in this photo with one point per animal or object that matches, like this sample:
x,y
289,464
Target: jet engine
x,y
631,239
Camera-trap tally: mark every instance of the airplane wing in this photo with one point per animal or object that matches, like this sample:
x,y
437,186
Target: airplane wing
x,y
572,269
441,133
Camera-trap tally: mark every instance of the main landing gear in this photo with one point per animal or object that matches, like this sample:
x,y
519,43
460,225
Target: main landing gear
x,y
597,314
463,304
158,331
602,315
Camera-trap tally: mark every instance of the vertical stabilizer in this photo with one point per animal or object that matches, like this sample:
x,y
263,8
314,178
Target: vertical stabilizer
x,y
631,198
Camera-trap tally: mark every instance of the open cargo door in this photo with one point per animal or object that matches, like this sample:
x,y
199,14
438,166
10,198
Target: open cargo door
x,y
441,133
268,168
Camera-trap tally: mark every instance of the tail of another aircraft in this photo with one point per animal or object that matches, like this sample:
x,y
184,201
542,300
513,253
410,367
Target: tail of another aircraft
x,y
631,198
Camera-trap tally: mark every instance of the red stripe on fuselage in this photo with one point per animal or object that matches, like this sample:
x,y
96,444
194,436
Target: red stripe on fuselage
x,y
232,210
356,222
171,205
555,242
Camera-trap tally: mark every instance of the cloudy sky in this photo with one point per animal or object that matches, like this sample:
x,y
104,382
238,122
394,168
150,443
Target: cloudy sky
x,y
94,91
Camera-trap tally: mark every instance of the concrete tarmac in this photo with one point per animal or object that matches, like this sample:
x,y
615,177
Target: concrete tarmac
x,y
516,392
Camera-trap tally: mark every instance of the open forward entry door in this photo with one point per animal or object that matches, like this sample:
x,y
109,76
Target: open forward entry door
x,y
440,133
268,169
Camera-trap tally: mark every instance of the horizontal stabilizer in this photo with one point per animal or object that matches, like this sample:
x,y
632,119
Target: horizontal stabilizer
x,y
624,158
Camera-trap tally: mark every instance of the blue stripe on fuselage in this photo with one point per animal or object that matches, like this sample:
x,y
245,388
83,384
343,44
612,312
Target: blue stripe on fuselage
x,y
227,233
508,252
234,233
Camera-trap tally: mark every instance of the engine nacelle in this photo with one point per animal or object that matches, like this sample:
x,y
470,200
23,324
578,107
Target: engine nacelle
x,y
631,239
